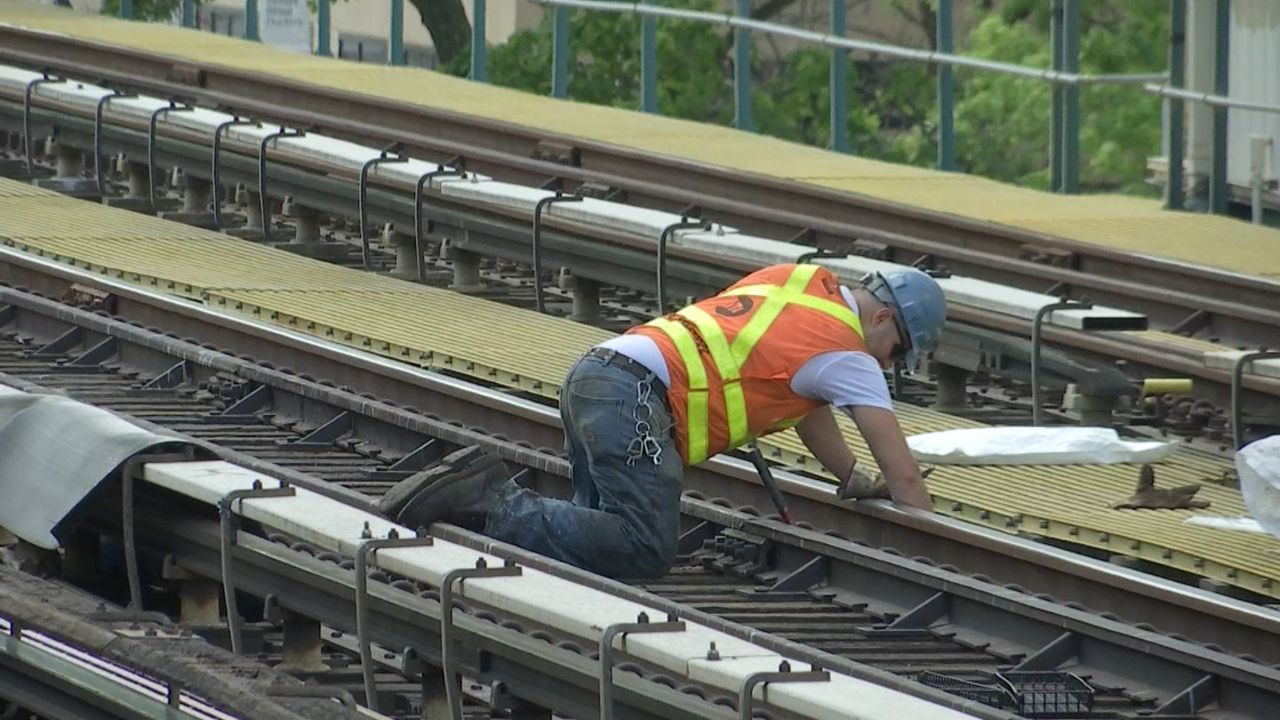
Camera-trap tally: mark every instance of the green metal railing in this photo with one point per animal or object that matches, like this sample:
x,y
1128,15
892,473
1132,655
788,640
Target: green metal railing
x,y
1064,72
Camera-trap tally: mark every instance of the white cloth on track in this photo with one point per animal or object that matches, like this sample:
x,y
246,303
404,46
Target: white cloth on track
x,y
1034,446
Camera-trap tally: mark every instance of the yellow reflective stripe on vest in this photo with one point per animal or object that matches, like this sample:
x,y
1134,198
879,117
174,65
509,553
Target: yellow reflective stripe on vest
x,y
696,406
729,358
774,301
735,403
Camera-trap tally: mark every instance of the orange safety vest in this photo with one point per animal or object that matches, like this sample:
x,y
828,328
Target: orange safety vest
x,y
731,357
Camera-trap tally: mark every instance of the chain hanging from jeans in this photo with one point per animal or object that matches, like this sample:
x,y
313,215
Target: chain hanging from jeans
x,y
644,444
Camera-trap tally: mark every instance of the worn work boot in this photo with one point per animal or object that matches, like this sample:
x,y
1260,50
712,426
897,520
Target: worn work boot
x,y
399,495
460,490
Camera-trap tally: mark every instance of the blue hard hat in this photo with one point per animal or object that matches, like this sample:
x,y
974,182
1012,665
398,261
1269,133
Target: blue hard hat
x,y
917,301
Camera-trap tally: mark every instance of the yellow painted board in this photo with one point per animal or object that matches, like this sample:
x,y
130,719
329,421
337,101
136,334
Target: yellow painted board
x,y
500,344
1124,223
488,334
1191,345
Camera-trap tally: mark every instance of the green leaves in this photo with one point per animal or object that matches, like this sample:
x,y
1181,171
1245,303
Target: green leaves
x,y
1002,122
150,10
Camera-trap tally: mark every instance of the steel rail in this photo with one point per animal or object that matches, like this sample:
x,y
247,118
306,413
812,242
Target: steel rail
x,y
1066,576
66,654
1105,644
530,668
1143,285
1020,621
751,201
631,274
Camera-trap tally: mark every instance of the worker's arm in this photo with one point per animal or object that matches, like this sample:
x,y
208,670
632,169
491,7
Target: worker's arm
x,y
822,436
883,435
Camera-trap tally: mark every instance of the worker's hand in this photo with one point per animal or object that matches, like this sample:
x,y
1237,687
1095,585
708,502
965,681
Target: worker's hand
x,y
861,486
883,435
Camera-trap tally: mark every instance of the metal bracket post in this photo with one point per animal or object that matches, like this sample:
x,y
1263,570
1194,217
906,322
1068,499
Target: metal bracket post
x,y
226,517
384,157
642,625
479,55
419,216
395,53
215,172
648,62
746,697
1237,390
263,203
742,69
364,556
151,145
1035,348
538,209
559,52
684,224
1218,195
131,471
820,254
97,137
448,663
26,118
323,13
1175,149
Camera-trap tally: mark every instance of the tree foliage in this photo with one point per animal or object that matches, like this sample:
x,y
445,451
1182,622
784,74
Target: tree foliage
x,y
149,10
1002,122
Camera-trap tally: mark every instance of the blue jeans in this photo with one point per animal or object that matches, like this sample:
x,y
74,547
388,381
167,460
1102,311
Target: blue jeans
x,y
624,520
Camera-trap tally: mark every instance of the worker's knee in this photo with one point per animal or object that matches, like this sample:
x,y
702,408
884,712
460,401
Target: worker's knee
x,y
654,559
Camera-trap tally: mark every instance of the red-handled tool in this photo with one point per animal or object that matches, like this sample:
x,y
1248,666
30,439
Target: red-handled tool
x,y
766,477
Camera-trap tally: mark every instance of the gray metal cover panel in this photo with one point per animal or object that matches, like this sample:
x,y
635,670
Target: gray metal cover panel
x,y
1253,76
53,452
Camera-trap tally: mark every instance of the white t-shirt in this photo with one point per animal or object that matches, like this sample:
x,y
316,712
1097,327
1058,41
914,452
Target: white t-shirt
x,y
843,378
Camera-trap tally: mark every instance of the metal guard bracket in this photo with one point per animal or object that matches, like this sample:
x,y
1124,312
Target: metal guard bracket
x,y
538,209
684,224
746,698
447,662
419,215
607,652
226,517
365,555
151,145
215,172
263,201
384,157
97,137
26,117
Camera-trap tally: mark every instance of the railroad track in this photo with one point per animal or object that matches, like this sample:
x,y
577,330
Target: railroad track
x,y
840,604
614,258
1234,307
1059,575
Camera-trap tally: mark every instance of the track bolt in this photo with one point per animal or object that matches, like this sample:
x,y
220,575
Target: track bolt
x,y
712,652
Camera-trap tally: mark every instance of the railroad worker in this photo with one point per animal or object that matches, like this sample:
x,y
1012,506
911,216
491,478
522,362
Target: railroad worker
x,y
773,351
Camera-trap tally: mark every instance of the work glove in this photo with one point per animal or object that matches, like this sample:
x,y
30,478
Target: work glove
x,y
861,486
1147,497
